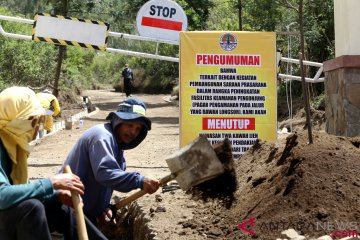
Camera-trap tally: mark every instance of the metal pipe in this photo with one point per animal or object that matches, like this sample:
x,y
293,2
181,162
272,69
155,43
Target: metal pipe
x,y
140,54
136,37
13,35
297,78
16,19
297,61
157,49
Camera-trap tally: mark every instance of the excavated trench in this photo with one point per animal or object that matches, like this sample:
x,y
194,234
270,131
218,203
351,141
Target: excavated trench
x,y
132,224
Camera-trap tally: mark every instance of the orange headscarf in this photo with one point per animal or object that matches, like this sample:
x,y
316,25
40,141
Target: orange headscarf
x,y
17,104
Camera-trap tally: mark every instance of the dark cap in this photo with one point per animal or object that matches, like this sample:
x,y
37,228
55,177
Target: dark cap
x,y
132,110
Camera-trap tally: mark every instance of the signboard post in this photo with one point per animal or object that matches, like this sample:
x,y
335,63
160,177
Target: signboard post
x,y
228,87
161,19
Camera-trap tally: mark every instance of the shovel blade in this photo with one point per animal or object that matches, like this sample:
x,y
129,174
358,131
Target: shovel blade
x,y
195,163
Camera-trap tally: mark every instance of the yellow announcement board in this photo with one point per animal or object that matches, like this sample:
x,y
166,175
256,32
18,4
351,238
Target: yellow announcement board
x,y
228,87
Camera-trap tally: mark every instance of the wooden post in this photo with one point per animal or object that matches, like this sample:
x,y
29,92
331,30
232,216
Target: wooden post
x,y
79,214
301,58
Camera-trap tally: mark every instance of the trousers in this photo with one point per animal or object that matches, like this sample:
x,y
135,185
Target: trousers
x,y
34,220
127,86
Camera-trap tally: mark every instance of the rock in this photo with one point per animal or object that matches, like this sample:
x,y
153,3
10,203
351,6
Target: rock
x,y
160,209
338,184
326,237
158,198
191,205
215,232
290,233
216,220
321,213
356,183
186,225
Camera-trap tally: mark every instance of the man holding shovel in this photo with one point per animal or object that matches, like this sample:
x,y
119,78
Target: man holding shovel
x,y
98,158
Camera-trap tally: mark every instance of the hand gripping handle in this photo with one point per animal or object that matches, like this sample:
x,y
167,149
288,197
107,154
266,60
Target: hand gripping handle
x,y
79,214
141,193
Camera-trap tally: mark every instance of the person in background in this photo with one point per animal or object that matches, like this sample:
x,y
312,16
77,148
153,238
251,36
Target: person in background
x,y
98,159
51,103
31,210
128,76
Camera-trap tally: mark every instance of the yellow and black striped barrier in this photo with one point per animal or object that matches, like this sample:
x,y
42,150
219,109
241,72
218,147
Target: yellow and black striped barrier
x,y
66,42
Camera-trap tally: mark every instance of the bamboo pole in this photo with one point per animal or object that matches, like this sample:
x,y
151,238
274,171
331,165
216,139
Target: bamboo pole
x,y
79,214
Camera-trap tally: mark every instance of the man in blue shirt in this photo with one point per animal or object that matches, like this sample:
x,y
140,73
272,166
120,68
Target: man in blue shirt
x,y
98,158
31,210
128,76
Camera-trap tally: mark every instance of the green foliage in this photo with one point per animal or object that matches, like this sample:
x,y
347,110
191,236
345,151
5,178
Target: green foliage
x,y
24,62
261,15
28,63
224,18
197,13
106,68
320,35
160,76
319,102
26,8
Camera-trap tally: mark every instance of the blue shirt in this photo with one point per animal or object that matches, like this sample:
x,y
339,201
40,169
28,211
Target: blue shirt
x,y
99,162
11,195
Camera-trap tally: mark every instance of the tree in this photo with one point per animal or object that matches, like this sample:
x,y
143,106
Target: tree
x,y
23,63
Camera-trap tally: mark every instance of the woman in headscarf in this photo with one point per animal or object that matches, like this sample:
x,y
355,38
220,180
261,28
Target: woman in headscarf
x,y
50,103
30,210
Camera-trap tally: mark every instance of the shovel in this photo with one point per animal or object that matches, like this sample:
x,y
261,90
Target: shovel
x,y
79,214
189,166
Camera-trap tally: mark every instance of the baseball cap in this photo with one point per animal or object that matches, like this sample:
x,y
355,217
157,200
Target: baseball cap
x,y
132,110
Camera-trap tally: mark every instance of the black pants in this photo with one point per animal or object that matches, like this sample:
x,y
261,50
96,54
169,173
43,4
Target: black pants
x,y
127,86
32,220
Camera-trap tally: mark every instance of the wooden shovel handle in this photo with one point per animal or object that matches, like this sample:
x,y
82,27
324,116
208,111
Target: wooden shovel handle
x,y
79,214
141,193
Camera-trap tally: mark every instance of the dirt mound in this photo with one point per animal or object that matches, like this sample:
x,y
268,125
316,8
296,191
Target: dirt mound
x,y
215,188
70,104
312,188
298,122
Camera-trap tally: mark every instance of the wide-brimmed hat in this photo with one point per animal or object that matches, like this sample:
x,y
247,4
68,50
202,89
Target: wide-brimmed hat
x,y
132,110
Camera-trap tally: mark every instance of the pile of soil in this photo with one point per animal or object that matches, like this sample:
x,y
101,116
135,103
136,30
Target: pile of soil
x,y
307,187
298,122
215,188
70,104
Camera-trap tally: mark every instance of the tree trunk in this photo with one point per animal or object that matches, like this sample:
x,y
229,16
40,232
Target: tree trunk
x,y
60,59
240,15
63,10
301,58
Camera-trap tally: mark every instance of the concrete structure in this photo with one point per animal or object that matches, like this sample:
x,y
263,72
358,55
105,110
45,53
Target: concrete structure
x,y
342,74
347,25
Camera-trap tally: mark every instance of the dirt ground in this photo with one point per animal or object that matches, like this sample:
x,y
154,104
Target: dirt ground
x,y
313,188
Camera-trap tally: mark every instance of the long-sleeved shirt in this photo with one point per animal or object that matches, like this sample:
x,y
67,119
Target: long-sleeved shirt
x,y
127,74
11,195
99,162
